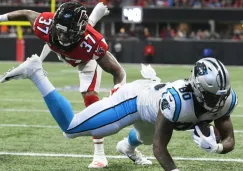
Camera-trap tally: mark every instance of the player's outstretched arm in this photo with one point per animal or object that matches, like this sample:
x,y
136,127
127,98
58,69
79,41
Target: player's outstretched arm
x,y
109,64
163,132
45,51
20,15
225,128
99,11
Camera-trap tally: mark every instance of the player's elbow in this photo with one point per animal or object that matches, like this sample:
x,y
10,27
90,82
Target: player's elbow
x,y
123,75
119,75
229,146
229,149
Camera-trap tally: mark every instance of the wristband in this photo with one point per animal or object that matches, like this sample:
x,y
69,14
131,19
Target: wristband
x,y
4,17
175,170
220,148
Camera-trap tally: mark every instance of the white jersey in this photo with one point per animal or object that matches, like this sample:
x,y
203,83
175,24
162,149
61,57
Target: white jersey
x,y
175,103
139,103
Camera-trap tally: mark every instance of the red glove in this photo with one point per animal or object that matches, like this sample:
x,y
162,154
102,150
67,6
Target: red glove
x,y
115,88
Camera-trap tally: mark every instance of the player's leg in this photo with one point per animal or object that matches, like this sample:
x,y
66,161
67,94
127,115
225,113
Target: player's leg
x,y
32,69
102,118
105,117
142,133
90,78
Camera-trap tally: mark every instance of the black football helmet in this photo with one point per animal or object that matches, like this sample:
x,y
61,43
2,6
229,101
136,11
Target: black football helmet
x,y
69,23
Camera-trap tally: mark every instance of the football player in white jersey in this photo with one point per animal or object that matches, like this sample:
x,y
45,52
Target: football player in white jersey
x,y
155,109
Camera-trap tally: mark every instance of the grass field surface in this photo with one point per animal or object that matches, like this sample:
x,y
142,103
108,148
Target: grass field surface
x,y
30,140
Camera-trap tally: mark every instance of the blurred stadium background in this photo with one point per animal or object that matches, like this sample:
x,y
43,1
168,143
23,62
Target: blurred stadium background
x,y
171,27
160,32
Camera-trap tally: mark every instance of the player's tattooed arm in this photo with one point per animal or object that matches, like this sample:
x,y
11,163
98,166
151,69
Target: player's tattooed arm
x,y
225,128
109,64
163,132
23,15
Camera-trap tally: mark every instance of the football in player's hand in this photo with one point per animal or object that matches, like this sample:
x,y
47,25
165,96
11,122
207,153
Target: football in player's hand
x,y
205,129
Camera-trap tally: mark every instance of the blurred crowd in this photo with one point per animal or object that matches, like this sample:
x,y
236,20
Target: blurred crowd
x,y
186,3
175,31
143,3
171,31
183,31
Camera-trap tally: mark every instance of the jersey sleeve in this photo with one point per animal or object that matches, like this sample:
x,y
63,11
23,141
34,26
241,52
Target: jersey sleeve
x,y
170,105
101,49
42,25
233,101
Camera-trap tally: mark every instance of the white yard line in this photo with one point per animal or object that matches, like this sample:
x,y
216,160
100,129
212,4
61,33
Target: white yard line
x,y
114,157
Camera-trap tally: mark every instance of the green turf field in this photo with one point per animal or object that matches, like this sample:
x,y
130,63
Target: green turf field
x,y
31,141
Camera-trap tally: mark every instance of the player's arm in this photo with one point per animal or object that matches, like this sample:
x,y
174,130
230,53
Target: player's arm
x,y
20,15
45,51
163,132
224,125
109,64
99,11
225,128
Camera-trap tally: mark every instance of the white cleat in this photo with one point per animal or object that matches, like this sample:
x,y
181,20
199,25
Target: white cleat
x,y
135,155
98,162
24,70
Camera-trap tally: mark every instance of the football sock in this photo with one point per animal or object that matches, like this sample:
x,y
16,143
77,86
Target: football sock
x,y
58,105
42,82
98,146
98,142
133,139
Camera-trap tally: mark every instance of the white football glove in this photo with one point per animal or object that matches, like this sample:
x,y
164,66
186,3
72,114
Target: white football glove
x,y
3,17
208,144
99,11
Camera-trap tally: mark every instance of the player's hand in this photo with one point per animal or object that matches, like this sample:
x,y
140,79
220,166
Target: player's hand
x,y
99,11
3,18
149,73
208,144
102,9
115,88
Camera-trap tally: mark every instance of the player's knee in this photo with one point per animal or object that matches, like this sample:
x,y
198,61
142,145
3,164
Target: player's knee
x,y
66,135
90,98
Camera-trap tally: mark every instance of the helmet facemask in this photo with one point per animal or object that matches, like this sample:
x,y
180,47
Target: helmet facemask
x,y
211,102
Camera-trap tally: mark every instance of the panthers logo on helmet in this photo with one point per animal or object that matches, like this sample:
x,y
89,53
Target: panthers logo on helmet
x,y
200,69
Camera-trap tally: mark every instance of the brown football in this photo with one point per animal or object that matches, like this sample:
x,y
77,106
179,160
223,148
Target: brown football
x,y
205,129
